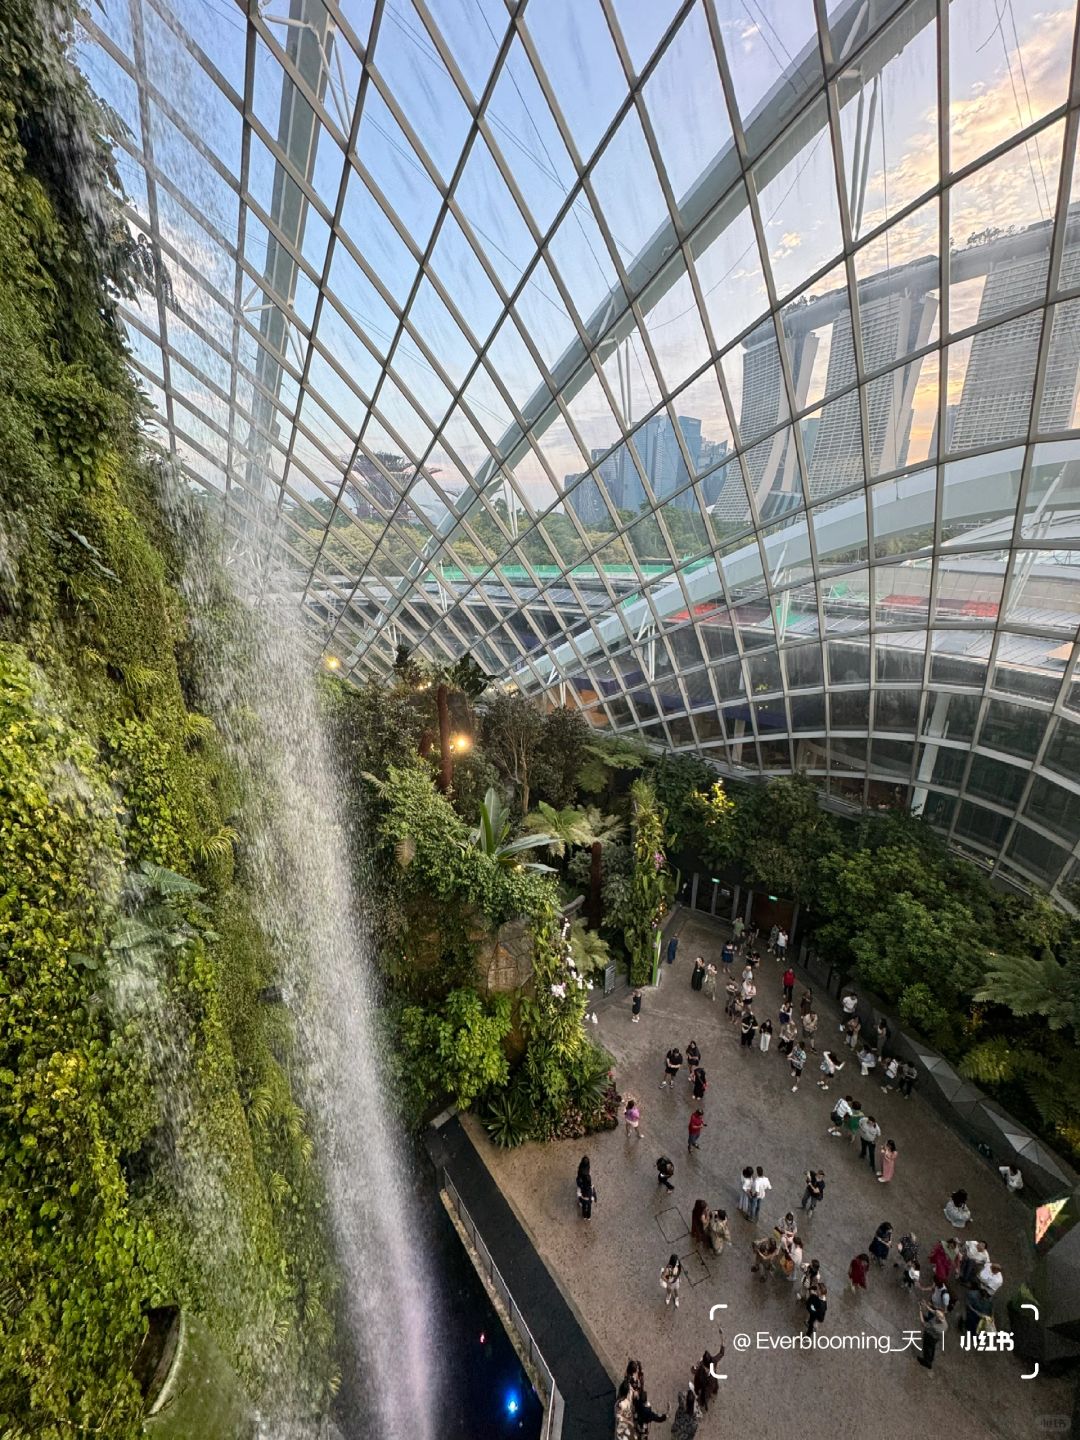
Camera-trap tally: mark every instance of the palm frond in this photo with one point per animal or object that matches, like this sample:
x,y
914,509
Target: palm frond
x,y
1030,986
219,846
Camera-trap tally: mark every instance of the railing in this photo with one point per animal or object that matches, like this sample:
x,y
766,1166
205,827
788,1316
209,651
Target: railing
x,y
550,1396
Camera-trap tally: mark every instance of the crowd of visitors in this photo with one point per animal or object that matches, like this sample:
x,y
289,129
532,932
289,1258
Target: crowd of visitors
x,y
956,1276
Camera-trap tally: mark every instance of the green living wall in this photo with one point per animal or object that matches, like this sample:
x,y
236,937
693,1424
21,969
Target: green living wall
x,y
128,955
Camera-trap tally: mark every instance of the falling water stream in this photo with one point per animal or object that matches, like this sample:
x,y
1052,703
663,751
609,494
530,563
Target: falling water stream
x,y
259,688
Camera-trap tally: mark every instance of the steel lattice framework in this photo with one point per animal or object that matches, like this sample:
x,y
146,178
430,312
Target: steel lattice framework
x,y
709,364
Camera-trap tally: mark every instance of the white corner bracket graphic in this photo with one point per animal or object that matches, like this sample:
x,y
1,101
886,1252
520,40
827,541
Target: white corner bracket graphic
x,y
1035,1311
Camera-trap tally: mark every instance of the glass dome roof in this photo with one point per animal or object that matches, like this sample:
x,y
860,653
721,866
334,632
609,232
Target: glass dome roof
x,y
713,366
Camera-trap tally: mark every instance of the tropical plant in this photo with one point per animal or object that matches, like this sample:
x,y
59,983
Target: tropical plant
x,y
507,1118
604,758
563,827
590,950
651,882
1030,985
588,827
492,838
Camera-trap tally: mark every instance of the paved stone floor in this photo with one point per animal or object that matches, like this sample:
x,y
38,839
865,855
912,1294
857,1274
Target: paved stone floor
x,y
608,1267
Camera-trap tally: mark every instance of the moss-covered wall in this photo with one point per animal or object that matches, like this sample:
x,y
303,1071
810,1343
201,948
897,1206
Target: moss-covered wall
x,y
104,771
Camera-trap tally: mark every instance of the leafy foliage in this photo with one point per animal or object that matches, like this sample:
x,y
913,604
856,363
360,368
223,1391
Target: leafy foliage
x,y
700,813
512,730
651,882
506,1117
455,1050
604,758
1034,985
781,832
492,838
122,924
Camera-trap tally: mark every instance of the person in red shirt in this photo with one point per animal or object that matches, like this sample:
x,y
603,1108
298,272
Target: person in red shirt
x,y
697,1124
857,1272
789,984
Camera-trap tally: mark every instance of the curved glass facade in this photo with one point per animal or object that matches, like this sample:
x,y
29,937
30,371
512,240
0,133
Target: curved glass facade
x,y
714,366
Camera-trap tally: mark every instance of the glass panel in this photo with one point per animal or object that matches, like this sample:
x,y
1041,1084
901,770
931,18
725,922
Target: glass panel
x,y
673,324
575,48
625,182
896,710
889,128
422,87
1043,590
1060,405
990,780
1036,855
797,189
762,46
755,383
1004,74
998,220
1015,729
981,826
525,131
902,513
1054,807
1063,751
728,263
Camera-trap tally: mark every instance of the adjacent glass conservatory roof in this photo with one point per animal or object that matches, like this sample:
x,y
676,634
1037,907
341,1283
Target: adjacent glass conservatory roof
x,y
709,364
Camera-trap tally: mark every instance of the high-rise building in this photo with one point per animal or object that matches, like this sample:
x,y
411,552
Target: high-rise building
x,y
995,404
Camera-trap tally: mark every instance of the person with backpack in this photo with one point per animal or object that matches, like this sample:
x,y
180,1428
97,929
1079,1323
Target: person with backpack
x,y
700,1083
665,1169
687,1416
644,1414
586,1190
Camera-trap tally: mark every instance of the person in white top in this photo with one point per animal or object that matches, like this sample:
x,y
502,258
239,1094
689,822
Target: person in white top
x,y
991,1279
850,1003
840,1111
760,1188
1014,1181
976,1257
